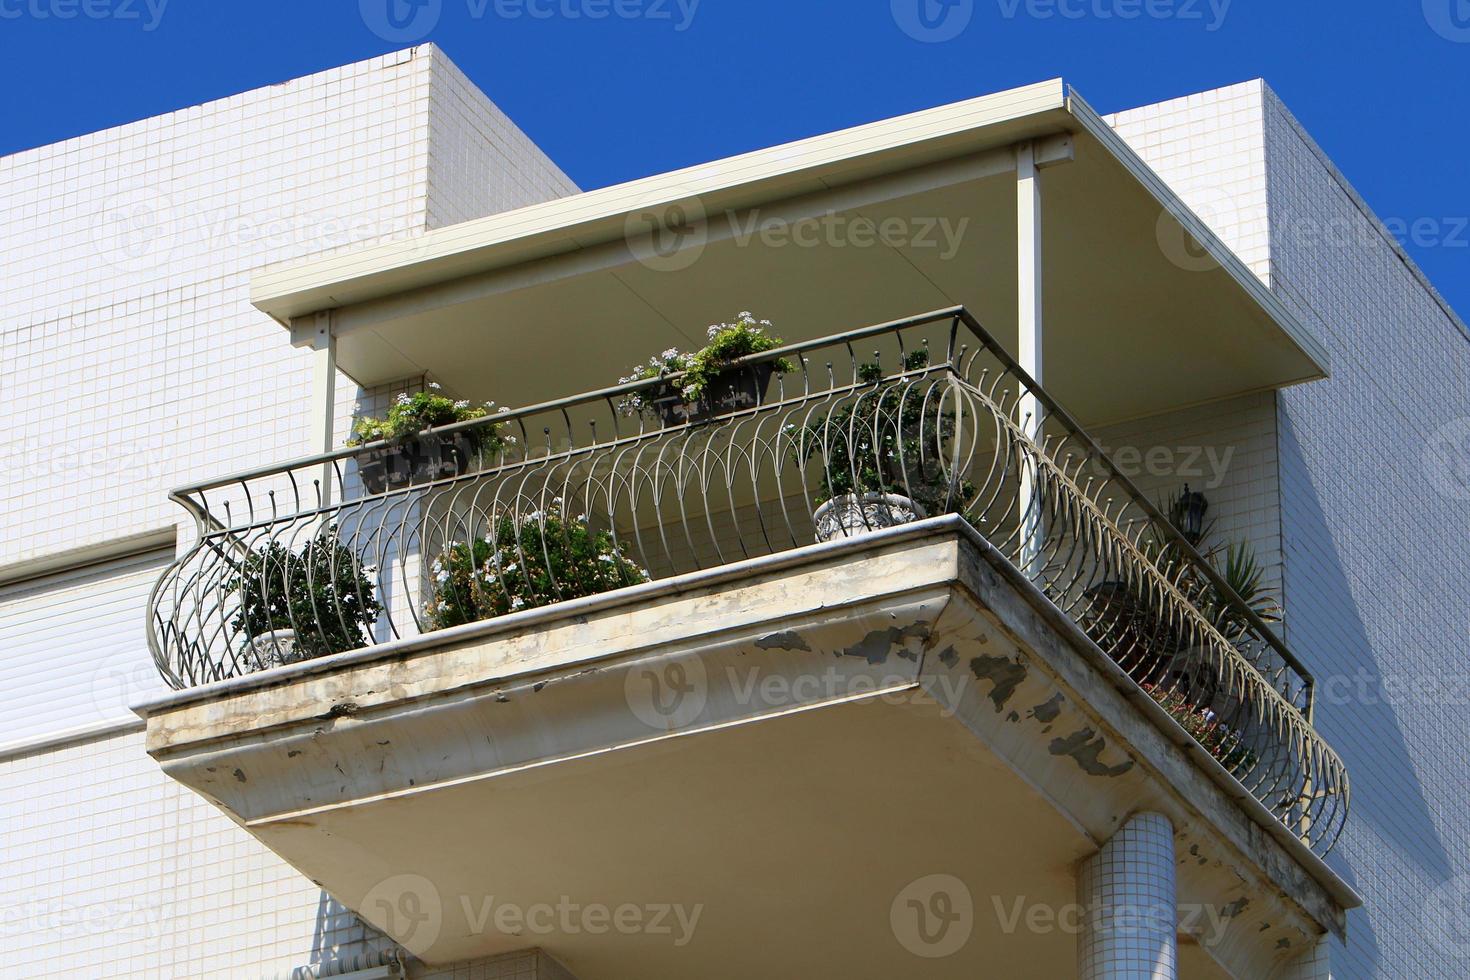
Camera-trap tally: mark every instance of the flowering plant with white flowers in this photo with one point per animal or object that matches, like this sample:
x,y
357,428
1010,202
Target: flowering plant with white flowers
x,y
728,342
529,560
428,409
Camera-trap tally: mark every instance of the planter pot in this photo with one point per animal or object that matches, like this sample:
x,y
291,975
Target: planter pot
x,y
273,649
732,391
423,458
852,514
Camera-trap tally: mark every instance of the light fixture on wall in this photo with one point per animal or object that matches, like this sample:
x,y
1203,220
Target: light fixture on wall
x,y
1188,515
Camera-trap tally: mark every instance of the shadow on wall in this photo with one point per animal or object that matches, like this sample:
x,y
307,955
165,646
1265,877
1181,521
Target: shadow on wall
x,y
1353,710
342,943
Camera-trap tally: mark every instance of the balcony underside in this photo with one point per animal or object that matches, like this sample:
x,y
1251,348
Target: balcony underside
x,y
783,744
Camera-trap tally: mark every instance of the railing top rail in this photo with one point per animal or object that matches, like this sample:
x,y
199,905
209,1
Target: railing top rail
x,y
591,397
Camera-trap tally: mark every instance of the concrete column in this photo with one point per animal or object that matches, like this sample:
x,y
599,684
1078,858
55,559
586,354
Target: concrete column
x,y
1029,342
1129,908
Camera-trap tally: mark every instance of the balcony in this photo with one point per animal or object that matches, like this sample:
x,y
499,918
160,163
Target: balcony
x,y
880,566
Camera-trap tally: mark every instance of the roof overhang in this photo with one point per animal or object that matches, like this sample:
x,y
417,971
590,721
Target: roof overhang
x,y
1145,308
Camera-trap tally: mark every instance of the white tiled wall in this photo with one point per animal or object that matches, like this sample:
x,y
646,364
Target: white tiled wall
x,y
130,358
468,135
1373,530
110,869
1210,149
131,361
1377,580
1225,450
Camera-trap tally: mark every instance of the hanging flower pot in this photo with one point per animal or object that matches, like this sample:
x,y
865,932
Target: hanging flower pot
x,y
405,450
416,459
701,386
730,391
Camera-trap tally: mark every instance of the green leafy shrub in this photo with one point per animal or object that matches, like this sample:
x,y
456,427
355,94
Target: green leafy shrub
x,y
693,373
428,409
322,593
532,561
881,443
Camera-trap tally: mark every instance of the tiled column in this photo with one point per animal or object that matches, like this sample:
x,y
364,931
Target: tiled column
x,y
1314,964
1128,903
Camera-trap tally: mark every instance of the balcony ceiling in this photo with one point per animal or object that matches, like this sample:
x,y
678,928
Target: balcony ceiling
x,y
1145,309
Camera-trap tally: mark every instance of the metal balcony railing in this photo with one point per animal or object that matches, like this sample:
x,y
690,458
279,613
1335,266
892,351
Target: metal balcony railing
x,y
919,417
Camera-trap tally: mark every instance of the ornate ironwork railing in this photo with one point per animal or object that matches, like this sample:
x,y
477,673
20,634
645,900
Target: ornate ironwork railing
x,y
877,426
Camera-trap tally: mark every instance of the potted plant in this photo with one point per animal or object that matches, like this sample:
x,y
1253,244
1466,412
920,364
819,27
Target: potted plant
x,y
1220,740
529,561
297,606
1132,622
702,385
881,465
404,449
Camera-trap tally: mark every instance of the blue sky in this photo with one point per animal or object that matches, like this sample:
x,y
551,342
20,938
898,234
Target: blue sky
x,y
616,89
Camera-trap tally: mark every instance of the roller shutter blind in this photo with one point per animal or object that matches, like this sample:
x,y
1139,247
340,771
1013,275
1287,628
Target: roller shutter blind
x,y
73,651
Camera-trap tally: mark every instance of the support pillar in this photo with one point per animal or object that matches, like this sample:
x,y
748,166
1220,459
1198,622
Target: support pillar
x,y
324,398
1029,347
1129,905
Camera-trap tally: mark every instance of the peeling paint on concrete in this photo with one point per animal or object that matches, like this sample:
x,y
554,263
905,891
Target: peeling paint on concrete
x,y
949,657
877,645
1004,675
1047,711
784,640
240,775
1235,908
345,709
1086,748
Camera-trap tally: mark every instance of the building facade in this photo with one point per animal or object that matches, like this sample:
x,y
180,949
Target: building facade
x,y
224,289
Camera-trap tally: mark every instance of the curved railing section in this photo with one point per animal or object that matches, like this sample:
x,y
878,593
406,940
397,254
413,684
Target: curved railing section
x,y
919,417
